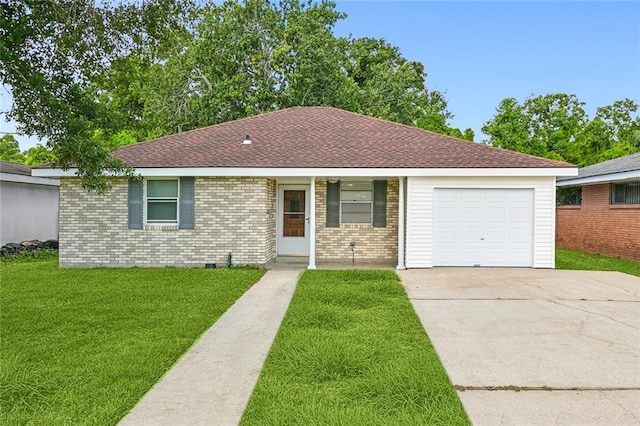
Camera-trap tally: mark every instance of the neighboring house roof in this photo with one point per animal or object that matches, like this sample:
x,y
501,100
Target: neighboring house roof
x,y
14,168
623,168
19,173
320,137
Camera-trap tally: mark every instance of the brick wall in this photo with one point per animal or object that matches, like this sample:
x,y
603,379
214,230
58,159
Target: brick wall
x,y
231,215
598,227
372,244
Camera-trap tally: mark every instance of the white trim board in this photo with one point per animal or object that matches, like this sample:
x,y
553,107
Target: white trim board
x,y
592,180
11,177
327,172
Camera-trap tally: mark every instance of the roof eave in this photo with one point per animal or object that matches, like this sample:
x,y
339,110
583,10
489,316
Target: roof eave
x,y
605,178
328,172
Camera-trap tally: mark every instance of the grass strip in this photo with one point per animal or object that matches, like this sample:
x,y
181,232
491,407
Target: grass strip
x,y
82,346
571,259
352,351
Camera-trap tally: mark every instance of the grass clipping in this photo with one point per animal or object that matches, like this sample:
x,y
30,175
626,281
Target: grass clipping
x,y
351,350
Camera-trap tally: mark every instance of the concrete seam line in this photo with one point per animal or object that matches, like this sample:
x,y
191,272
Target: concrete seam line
x,y
507,299
542,388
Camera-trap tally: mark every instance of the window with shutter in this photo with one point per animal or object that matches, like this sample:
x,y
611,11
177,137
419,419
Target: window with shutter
x,y
163,201
357,202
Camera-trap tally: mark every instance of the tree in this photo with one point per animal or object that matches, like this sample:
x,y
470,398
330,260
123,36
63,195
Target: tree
x,y
90,76
10,149
435,118
37,155
49,53
556,126
614,132
544,125
258,56
509,128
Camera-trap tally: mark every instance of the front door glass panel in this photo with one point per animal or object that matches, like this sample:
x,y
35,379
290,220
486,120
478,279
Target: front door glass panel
x,y
293,211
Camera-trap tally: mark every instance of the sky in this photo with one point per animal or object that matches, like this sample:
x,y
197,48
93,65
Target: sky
x,y
478,53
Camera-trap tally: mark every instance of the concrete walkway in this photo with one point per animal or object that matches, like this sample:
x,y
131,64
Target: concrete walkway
x,y
211,384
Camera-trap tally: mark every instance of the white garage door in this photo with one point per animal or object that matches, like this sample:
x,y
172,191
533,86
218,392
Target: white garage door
x,y
483,227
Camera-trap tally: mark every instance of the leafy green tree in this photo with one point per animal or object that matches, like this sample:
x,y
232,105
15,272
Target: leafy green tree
x,y
556,126
258,56
509,128
50,51
10,149
91,76
37,155
543,125
435,118
614,132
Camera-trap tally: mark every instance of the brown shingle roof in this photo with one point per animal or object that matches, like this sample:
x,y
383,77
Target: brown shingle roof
x,y
322,137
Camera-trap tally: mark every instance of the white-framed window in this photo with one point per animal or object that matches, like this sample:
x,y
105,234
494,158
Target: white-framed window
x,y
161,201
625,193
356,202
569,196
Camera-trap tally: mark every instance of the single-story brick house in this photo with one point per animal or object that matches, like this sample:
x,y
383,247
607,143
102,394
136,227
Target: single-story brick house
x,y
309,182
599,210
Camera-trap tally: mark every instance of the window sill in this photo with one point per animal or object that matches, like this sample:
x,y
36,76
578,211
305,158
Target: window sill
x,y
568,207
160,227
624,206
355,225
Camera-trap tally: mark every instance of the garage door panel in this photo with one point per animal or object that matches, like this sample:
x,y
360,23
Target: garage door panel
x,y
524,196
520,235
494,216
468,196
489,197
486,227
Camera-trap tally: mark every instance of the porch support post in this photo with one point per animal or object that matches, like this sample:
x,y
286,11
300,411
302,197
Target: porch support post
x,y
312,224
401,223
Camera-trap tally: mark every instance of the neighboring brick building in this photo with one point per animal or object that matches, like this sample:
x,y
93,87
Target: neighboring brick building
x,y
316,184
599,210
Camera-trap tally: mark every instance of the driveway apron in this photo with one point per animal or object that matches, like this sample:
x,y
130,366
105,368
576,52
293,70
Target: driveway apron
x,y
527,346
211,384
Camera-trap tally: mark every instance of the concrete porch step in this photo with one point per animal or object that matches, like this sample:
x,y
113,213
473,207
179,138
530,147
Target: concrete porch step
x,y
292,259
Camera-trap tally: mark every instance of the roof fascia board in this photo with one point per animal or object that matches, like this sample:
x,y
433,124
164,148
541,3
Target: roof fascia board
x,y
327,172
591,180
11,177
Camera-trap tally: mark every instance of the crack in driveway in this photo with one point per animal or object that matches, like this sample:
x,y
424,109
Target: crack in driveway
x,y
594,313
625,409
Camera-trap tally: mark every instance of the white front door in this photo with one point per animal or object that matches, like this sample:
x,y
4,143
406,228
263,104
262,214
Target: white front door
x,y
293,220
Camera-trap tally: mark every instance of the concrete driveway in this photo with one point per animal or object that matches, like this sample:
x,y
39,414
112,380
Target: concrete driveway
x,y
527,346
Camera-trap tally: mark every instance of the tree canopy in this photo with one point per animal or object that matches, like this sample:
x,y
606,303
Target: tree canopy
x,y
10,150
557,126
89,76
52,51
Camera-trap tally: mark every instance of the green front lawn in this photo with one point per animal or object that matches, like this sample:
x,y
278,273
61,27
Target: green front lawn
x,y
571,259
351,350
81,346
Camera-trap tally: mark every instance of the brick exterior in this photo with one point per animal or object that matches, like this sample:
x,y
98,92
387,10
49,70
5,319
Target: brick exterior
x,y
598,227
372,244
235,215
